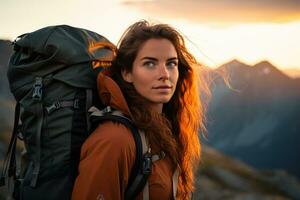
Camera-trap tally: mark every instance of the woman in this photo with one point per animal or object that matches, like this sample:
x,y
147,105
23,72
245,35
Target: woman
x,y
153,82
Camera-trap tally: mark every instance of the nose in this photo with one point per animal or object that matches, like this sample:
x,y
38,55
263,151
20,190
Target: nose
x,y
164,73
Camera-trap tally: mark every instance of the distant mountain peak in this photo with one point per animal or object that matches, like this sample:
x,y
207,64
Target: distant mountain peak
x,y
266,68
264,64
235,63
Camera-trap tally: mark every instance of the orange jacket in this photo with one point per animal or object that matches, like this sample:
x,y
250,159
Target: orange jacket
x,y
108,155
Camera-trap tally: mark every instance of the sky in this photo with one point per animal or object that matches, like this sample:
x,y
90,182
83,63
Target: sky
x,y
216,31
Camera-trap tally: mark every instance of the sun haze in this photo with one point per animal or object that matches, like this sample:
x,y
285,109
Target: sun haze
x,y
216,31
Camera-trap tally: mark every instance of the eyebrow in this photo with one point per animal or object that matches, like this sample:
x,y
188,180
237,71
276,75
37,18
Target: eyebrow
x,y
155,59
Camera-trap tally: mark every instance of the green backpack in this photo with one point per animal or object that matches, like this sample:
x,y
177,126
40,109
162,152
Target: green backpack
x,y
52,78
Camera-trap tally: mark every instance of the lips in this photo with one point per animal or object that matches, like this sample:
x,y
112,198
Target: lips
x,y
162,87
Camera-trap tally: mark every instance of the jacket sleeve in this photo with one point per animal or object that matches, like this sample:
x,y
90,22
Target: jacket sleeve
x,y
106,160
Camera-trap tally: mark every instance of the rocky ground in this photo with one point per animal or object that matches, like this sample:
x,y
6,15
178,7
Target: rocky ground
x,y
221,177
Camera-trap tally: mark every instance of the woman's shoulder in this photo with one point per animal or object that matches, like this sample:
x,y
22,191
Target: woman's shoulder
x,y
112,135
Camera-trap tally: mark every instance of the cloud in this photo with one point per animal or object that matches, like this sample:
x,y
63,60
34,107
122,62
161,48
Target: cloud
x,y
221,11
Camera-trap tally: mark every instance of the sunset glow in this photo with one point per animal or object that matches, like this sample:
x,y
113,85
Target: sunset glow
x,y
216,31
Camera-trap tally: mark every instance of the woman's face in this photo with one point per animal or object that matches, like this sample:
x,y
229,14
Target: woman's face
x,y
155,72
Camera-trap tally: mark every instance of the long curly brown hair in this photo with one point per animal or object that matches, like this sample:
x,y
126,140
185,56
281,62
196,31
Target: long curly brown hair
x,y
175,130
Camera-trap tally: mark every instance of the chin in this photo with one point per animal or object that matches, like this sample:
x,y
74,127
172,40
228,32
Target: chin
x,y
163,100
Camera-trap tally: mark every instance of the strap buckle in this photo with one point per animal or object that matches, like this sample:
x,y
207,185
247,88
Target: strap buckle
x,y
54,106
147,162
106,110
76,104
37,89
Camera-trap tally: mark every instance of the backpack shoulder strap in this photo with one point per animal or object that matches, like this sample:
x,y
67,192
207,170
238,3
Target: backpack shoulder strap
x,y
141,171
142,166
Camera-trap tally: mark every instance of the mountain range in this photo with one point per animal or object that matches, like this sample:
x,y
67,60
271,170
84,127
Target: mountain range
x,y
257,118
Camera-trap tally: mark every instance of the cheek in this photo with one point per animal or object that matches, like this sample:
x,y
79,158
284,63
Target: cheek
x,y
142,83
142,78
175,77
175,81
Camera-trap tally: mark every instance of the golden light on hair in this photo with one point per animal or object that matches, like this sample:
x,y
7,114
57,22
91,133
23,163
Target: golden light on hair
x,y
100,63
103,53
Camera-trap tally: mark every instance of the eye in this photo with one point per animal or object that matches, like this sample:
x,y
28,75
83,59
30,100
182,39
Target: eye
x,y
172,64
149,64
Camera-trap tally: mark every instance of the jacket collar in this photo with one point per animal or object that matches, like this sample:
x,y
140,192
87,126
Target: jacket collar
x,y
110,93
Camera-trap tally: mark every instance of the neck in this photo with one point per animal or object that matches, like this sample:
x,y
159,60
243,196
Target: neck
x,y
157,107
